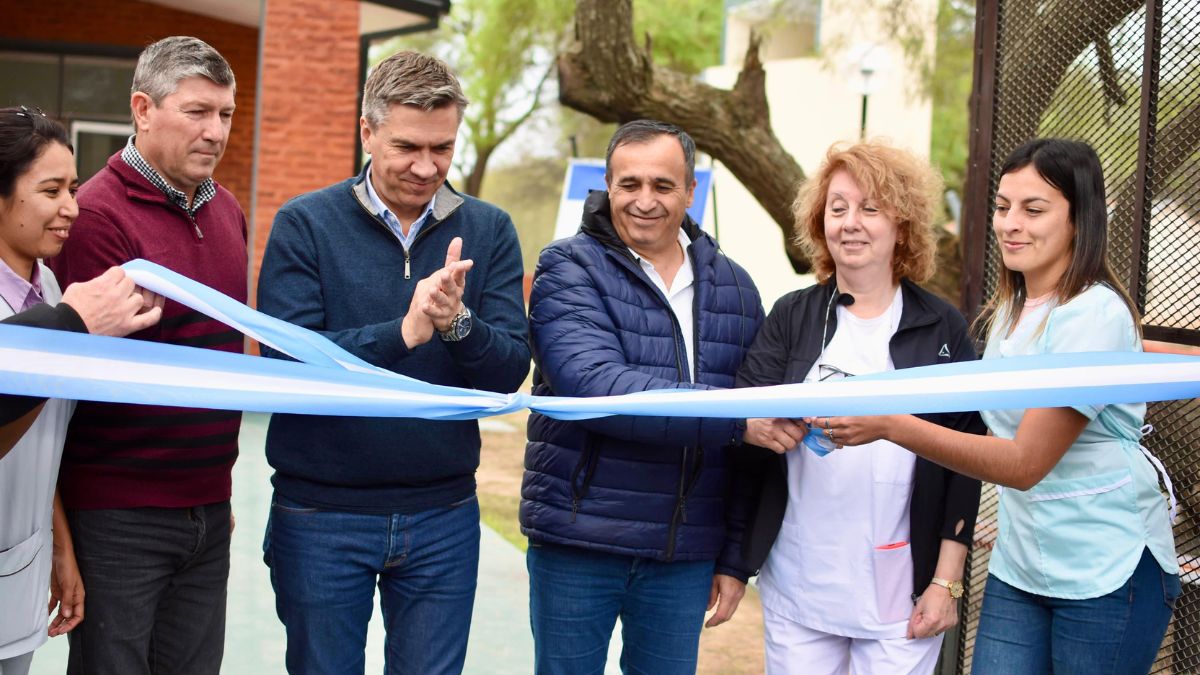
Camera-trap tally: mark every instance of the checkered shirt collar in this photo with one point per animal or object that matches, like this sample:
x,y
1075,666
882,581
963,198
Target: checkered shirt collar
x,y
204,192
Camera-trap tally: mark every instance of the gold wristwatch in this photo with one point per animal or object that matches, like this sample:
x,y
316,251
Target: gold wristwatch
x,y
955,587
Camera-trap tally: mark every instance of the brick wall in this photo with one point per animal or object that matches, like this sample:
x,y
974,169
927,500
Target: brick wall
x,y
130,23
309,89
310,107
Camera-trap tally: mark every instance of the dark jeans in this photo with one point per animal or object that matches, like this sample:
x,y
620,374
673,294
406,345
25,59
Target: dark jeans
x,y
325,566
155,581
1115,634
575,597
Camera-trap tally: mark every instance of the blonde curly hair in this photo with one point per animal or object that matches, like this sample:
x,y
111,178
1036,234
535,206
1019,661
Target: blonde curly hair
x,y
902,185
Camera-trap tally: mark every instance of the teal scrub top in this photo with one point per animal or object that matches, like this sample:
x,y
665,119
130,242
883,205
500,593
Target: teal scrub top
x,y
1080,532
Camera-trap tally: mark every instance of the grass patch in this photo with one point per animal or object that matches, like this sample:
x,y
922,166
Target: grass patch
x,y
499,512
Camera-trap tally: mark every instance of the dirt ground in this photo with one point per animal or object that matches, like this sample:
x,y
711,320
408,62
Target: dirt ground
x,y
731,649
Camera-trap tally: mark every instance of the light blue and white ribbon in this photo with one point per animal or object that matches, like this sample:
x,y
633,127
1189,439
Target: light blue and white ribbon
x,y
328,380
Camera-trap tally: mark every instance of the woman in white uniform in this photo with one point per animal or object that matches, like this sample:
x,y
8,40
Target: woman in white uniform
x,y
37,207
864,548
1083,577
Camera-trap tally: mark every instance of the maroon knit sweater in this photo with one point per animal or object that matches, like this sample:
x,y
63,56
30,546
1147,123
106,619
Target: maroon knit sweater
x,y
126,456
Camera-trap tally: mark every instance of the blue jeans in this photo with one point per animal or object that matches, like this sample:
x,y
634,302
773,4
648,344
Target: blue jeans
x,y
575,597
1119,633
156,582
325,566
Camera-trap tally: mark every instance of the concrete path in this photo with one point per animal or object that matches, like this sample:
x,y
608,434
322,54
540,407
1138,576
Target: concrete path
x,y
500,642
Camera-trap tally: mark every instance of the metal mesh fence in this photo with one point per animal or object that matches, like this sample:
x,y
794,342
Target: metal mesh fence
x,y
1124,76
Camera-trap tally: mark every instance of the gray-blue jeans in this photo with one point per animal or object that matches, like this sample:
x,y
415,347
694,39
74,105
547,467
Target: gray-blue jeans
x,y
156,584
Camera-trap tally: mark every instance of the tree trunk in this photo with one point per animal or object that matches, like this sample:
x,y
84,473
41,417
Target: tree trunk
x,y
474,182
605,75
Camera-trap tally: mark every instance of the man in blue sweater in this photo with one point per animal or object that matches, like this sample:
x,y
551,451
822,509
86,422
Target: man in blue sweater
x,y
379,264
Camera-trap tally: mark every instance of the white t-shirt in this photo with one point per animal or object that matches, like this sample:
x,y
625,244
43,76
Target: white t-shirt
x,y
842,562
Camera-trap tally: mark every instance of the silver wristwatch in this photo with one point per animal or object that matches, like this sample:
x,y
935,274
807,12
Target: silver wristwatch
x,y
460,327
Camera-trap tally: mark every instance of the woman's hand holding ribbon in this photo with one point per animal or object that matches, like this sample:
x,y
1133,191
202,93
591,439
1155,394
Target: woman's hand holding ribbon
x,y
845,431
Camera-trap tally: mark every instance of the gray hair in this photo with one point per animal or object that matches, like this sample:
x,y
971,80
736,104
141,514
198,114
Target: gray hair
x,y
644,131
165,63
410,78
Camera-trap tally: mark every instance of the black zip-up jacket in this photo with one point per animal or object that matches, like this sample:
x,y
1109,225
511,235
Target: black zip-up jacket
x,y
58,317
931,331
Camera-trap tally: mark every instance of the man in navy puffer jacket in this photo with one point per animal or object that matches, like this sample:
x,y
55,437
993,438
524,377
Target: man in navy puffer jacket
x,y
626,515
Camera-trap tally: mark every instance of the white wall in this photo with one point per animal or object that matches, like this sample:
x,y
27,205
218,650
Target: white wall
x,y
814,103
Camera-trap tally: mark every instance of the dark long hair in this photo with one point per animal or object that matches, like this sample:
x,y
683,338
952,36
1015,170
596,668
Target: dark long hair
x,y
24,134
1073,169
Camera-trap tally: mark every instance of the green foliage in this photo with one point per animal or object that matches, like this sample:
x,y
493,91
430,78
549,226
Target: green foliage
x,y
944,73
500,512
529,192
1079,101
949,87
1080,109
503,52
684,34
590,135
504,56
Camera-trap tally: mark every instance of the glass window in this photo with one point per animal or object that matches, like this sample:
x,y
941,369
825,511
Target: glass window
x,y
68,87
29,79
95,142
96,87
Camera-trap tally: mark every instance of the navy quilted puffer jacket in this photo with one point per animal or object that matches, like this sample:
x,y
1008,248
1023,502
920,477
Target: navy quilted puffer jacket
x,y
650,487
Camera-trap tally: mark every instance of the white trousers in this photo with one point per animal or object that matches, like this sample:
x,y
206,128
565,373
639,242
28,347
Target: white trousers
x,y
17,665
793,649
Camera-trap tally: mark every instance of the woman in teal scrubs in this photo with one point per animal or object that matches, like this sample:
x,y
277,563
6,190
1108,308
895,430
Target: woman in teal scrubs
x,y
1083,577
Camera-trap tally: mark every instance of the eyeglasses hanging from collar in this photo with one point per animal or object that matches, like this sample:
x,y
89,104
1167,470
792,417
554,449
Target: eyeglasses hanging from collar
x,y
827,372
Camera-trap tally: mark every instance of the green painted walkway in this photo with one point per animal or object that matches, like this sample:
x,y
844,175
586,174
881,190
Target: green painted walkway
x,y
500,642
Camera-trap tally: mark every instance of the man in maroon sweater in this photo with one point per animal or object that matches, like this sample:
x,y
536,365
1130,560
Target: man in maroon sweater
x,y
147,488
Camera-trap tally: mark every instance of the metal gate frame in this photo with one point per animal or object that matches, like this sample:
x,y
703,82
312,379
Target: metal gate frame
x,y
1177,441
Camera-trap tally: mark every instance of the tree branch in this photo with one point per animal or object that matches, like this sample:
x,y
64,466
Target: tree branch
x,y
1047,43
511,127
606,75
1109,79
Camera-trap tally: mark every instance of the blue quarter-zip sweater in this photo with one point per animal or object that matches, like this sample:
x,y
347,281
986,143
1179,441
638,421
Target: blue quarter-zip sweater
x,y
332,265
651,487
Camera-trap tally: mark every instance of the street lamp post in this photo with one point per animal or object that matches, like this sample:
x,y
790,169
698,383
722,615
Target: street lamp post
x,y
867,61
866,71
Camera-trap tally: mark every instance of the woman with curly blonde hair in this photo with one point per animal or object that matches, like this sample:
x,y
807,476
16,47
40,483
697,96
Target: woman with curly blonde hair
x,y
861,551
